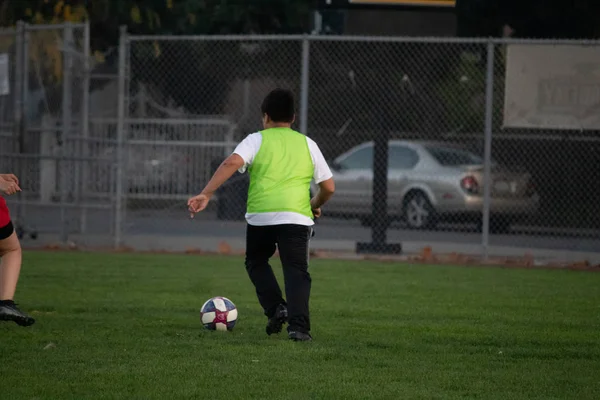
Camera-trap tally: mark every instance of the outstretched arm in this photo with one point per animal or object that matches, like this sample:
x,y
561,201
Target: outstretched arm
x,y
242,157
227,168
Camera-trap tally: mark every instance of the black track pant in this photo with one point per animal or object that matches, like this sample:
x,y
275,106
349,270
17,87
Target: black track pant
x,y
292,242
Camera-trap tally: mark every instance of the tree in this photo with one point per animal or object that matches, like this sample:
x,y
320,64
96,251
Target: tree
x,y
204,69
194,65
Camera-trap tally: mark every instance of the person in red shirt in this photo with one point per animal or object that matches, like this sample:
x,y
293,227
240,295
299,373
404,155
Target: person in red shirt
x,y
10,257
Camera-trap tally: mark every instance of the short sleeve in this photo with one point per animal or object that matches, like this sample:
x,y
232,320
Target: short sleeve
x,y
248,148
322,171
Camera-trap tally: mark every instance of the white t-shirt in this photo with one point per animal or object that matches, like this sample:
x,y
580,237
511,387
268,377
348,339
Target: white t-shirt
x,y
248,148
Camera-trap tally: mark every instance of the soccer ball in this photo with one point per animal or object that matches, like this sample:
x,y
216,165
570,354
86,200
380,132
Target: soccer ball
x,y
219,313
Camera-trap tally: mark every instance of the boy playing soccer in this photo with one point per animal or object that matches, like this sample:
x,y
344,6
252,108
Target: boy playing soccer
x,y
280,213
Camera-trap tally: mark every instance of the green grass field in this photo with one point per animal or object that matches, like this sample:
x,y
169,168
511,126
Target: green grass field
x,y
127,327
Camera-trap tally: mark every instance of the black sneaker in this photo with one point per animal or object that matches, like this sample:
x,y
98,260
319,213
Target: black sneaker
x,y
299,336
10,312
276,322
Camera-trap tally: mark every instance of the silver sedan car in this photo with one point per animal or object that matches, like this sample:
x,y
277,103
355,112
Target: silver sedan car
x,y
429,182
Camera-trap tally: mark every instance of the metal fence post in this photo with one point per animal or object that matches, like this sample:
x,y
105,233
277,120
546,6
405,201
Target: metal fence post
x,y
85,129
24,104
25,76
487,183
18,105
67,92
18,80
304,86
123,44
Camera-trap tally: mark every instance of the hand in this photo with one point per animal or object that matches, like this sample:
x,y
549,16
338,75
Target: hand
x,y
9,188
316,208
316,212
9,178
197,204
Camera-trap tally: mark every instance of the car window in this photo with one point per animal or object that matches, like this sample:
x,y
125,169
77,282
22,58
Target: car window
x,y
450,157
360,159
401,157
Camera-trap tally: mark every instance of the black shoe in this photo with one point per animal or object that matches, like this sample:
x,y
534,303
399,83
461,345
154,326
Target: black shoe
x,y
299,336
276,322
10,312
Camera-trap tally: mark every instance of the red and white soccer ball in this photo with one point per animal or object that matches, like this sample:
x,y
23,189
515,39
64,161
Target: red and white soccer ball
x,y
219,314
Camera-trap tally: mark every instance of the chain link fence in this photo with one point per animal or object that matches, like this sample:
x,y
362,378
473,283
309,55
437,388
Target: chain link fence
x,y
431,100
484,145
545,126
402,91
9,51
188,103
46,135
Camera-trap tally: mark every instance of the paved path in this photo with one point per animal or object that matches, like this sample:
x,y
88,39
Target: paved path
x,y
175,227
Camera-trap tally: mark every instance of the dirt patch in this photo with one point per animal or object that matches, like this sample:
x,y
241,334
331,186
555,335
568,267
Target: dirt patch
x,y
425,257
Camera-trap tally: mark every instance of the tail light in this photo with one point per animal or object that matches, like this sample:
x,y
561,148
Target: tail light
x,y
469,184
530,190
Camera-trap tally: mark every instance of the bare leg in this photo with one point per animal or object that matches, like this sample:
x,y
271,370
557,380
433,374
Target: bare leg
x,y
10,266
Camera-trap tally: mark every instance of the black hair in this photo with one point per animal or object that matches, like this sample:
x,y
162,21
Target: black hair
x,y
279,106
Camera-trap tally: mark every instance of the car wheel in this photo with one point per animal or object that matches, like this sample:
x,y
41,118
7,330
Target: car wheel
x,y
418,211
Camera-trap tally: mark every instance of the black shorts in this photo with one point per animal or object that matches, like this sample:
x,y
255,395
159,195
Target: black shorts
x,y
6,230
